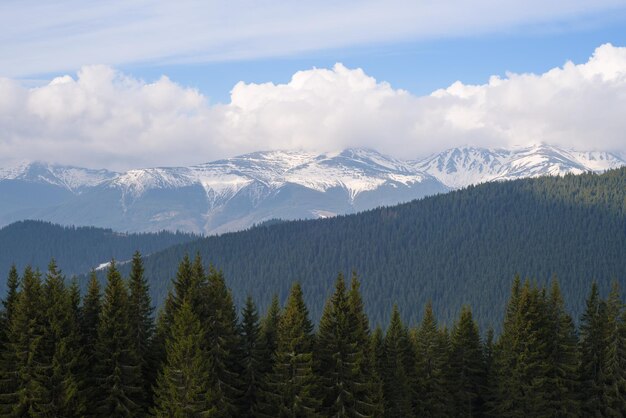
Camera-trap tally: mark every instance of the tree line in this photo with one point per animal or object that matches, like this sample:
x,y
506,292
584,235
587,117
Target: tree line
x,y
462,247
104,354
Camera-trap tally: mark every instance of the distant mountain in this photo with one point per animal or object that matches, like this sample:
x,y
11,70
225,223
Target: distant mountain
x,y
76,250
462,247
460,167
236,193
226,195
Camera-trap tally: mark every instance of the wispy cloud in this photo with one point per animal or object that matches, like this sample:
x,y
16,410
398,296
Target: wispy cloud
x,y
62,35
103,118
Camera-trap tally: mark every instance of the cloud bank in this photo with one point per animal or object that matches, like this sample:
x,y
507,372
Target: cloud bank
x,y
103,118
59,35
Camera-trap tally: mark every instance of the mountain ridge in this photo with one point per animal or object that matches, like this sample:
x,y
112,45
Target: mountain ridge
x,y
235,193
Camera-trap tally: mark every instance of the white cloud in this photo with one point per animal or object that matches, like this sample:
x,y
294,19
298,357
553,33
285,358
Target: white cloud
x,y
59,35
102,118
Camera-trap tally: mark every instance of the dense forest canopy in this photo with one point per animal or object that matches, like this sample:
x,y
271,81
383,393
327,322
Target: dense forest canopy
x,y
77,249
103,354
457,248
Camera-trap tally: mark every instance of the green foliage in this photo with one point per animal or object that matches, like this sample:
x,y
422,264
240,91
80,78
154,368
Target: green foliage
x,y
89,324
182,386
77,249
118,369
141,327
396,369
31,396
62,349
59,358
467,366
253,357
454,249
341,359
222,341
293,379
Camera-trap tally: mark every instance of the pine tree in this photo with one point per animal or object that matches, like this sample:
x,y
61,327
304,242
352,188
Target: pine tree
x,y
376,352
431,360
61,345
592,352
8,377
222,343
562,363
368,394
89,324
396,369
339,359
532,362
505,401
489,389
254,355
293,379
142,328
118,370
26,333
613,375
467,367
266,404
13,283
182,388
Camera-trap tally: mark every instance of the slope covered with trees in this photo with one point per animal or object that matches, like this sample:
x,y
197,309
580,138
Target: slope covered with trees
x,y
453,249
77,249
104,356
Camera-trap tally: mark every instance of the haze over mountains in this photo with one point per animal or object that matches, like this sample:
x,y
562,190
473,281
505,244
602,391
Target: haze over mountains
x,y
235,193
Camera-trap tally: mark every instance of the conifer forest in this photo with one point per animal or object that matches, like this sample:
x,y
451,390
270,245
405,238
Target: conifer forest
x,y
105,352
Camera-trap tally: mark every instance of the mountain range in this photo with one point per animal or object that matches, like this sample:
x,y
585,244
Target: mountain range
x,y
236,193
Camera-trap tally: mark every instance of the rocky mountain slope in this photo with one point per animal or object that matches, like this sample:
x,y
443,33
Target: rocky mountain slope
x,y
235,193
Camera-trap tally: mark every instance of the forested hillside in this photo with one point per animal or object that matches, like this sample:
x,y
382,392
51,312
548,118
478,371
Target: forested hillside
x,y
77,249
457,248
103,355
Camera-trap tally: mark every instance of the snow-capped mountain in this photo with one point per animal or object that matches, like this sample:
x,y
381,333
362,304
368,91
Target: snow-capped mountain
x,y
238,192
74,179
226,195
460,167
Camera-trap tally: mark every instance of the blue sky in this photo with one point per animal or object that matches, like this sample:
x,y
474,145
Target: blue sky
x,y
418,66
128,83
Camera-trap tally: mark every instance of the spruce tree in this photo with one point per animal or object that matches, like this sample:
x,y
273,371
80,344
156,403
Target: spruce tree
x,y
8,377
369,394
293,378
254,355
431,360
505,400
222,343
467,366
592,352
339,359
532,357
182,388
396,369
614,377
9,302
118,370
89,324
26,333
61,345
562,363
141,324
266,404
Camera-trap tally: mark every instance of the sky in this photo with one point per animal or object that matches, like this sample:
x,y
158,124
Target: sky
x,y
126,84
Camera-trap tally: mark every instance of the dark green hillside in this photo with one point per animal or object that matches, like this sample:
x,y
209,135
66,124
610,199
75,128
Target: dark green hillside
x,y
457,248
76,249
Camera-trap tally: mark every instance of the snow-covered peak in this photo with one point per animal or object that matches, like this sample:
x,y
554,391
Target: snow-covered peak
x,y
71,178
460,167
355,169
